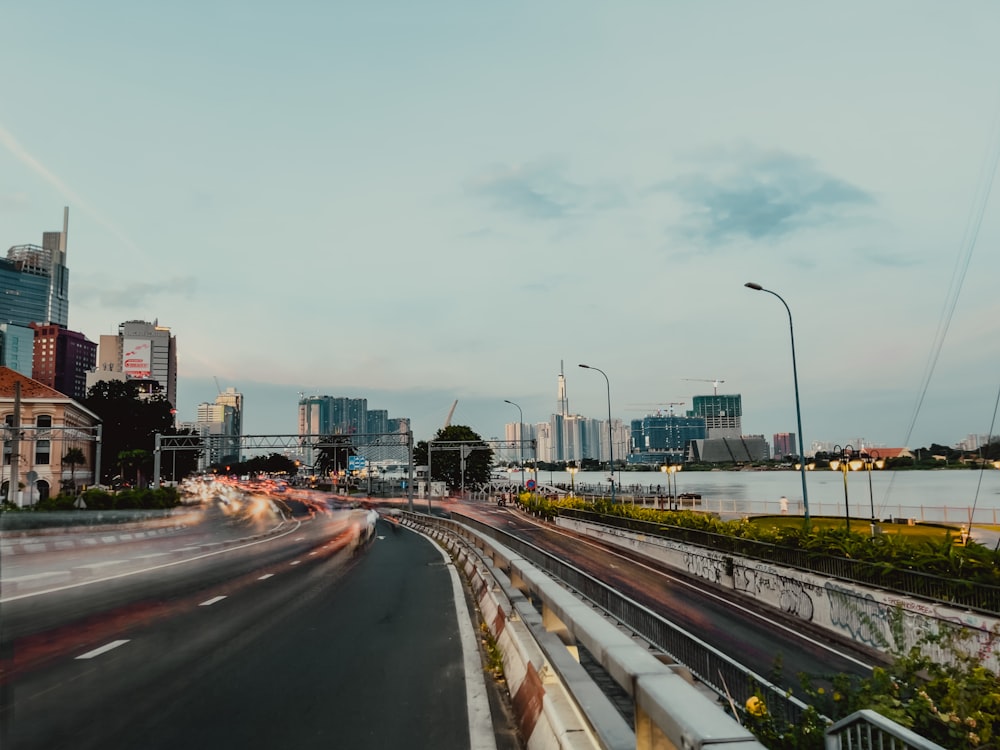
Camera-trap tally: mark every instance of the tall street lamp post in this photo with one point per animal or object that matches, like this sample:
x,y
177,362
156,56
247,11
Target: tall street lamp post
x,y
846,459
798,409
611,445
872,458
572,480
520,438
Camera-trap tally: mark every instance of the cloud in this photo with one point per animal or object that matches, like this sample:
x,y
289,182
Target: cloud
x,y
9,142
761,195
134,294
541,191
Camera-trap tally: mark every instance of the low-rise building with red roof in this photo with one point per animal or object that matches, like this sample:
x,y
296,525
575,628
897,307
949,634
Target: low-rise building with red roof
x,y
40,427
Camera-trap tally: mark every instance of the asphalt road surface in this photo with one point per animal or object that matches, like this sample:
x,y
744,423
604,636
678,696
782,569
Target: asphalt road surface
x,y
302,640
778,647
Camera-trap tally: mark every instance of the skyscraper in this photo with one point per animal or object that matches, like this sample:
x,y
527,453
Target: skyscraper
x,y
16,347
35,281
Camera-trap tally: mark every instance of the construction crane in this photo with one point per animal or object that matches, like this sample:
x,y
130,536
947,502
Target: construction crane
x,y
657,405
715,382
451,413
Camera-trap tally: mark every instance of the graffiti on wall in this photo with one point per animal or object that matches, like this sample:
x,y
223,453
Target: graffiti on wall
x,y
790,596
861,617
709,568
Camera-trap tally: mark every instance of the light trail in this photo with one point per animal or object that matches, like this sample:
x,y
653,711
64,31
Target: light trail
x,y
728,602
154,567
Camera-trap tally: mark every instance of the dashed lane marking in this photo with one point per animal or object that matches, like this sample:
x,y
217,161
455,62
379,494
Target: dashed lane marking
x,y
102,649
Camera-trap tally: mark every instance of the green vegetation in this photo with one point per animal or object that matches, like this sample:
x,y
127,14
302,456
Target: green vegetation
x,y
956,705
447,462
95,499
130,424
273,463
954,701
924,548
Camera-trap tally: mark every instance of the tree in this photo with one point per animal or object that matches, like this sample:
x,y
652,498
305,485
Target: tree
x,y
447,463
333,452
133,460
129,421
274,463
74,457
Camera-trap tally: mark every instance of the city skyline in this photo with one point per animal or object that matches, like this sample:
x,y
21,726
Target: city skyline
x,y
428,204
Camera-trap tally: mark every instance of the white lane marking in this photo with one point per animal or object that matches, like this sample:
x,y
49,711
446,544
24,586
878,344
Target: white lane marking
x,y
295,562
102,649
210,602
312,553
154,567
265,576
481,734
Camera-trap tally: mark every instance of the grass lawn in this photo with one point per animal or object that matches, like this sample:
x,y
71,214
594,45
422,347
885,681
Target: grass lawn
x,y
921,532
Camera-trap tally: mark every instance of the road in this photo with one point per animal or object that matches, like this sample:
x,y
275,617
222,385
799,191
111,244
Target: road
x,y
771,644
301,639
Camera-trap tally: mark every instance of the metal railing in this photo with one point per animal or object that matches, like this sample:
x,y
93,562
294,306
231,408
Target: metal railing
x,y
979,597
869,730
714,669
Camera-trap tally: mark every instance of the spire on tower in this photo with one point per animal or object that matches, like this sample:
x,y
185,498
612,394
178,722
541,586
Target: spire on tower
x,y
562,405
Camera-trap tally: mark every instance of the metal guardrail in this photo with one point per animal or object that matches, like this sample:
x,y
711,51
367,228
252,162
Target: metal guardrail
x,y
869,730
977,597
717,671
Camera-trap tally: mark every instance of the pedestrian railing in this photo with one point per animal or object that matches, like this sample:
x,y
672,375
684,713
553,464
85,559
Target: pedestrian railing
x,y
869,730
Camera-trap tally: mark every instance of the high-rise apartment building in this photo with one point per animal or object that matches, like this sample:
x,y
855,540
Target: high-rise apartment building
x,y
783,444
233,398
723,414
220,424
141,351
570,437
660,438
337,415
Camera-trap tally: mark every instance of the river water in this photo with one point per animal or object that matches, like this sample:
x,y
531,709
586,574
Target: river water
x,y
940,495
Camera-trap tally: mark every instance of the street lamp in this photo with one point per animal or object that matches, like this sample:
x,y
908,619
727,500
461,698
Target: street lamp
x,y
520,438
798,409
611,445
572,480
672,496
846,460
872,458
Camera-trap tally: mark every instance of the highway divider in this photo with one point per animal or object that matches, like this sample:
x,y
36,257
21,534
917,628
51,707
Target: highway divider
x,y
557,703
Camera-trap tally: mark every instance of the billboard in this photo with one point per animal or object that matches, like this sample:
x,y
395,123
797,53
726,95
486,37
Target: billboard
x,y
137,357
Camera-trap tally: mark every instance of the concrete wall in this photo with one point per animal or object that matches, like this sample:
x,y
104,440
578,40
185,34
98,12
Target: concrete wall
x,y
860,614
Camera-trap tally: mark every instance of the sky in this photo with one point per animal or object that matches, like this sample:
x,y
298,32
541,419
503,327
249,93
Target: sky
x,y
418,203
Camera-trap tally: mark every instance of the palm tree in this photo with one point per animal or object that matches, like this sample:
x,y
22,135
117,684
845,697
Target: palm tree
x,y
74,457
132,459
